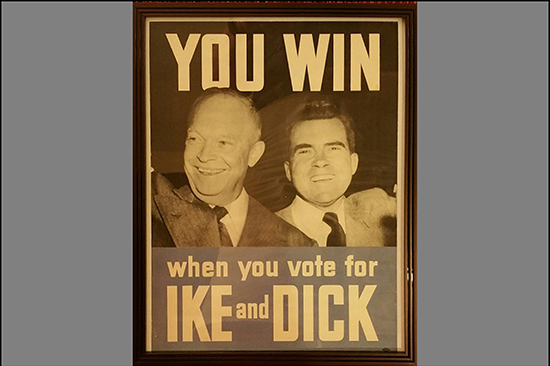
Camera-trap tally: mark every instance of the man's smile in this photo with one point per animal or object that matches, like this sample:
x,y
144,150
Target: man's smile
x,y
205,171
322,178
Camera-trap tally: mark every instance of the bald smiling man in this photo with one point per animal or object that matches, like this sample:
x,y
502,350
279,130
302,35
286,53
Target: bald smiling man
x,y
214,209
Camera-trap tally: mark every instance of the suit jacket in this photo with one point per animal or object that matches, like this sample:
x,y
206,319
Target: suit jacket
x,y
370,218
181,220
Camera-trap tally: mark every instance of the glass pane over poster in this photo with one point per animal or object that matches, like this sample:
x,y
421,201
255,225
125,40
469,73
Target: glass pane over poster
x,y
277,183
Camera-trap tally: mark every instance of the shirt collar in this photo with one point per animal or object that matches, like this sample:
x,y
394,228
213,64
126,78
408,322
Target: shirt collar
x,y
238,208
236,216
310,218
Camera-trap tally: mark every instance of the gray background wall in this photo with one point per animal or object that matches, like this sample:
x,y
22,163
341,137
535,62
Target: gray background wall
x,y
482,184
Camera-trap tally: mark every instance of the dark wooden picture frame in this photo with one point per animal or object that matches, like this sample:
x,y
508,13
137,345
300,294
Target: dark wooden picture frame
x,y
406,12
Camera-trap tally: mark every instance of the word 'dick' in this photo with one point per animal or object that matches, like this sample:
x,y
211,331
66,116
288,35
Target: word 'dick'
x,y
302,55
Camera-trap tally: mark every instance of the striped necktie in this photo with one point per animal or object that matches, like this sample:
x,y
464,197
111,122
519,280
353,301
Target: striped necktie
x,y
337,237
225,239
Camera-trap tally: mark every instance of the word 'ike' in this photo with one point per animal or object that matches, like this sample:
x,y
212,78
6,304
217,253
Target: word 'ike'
x,y
301,57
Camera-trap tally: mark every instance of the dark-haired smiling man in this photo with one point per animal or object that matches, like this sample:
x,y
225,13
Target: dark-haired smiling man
x,y
322,161
214,209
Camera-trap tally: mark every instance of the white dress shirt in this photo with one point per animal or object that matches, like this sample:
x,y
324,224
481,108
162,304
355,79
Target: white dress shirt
x,y
236,217
309,219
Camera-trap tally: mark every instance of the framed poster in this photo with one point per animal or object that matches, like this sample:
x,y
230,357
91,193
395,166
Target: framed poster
x,y
274,183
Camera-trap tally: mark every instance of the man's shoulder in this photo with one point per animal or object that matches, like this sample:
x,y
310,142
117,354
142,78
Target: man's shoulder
x,y
259,212
279,232
286,214
160,185
368,196
170,201
164,188
374,202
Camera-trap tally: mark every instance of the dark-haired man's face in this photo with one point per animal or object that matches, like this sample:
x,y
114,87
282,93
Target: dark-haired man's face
x,y
221,144
321,165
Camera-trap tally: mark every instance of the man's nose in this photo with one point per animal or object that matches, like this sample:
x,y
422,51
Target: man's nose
x,y
206,153
320,160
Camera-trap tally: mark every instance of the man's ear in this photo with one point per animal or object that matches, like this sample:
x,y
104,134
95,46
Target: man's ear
x,y
256,152
354,163
287,171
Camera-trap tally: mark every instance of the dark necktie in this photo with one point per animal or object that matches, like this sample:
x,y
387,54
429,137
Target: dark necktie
x,y
225,239
337,237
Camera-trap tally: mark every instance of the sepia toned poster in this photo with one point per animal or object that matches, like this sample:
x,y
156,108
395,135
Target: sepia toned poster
x,y
267,276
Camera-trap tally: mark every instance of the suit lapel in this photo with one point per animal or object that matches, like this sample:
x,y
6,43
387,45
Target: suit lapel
x,y
257,227
286,214
190,223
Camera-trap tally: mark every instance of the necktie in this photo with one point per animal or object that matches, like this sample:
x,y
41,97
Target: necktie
x,y
337,237
225,239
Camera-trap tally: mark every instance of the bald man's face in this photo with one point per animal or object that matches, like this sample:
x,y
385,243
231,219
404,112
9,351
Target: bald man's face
x,y
221,144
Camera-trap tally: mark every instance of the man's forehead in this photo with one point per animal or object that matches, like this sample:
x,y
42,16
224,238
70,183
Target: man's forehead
x,y
318,131
222,110
212,126
225,103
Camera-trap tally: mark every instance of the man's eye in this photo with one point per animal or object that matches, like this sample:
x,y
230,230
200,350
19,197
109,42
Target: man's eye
x,y
303,151
224,143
